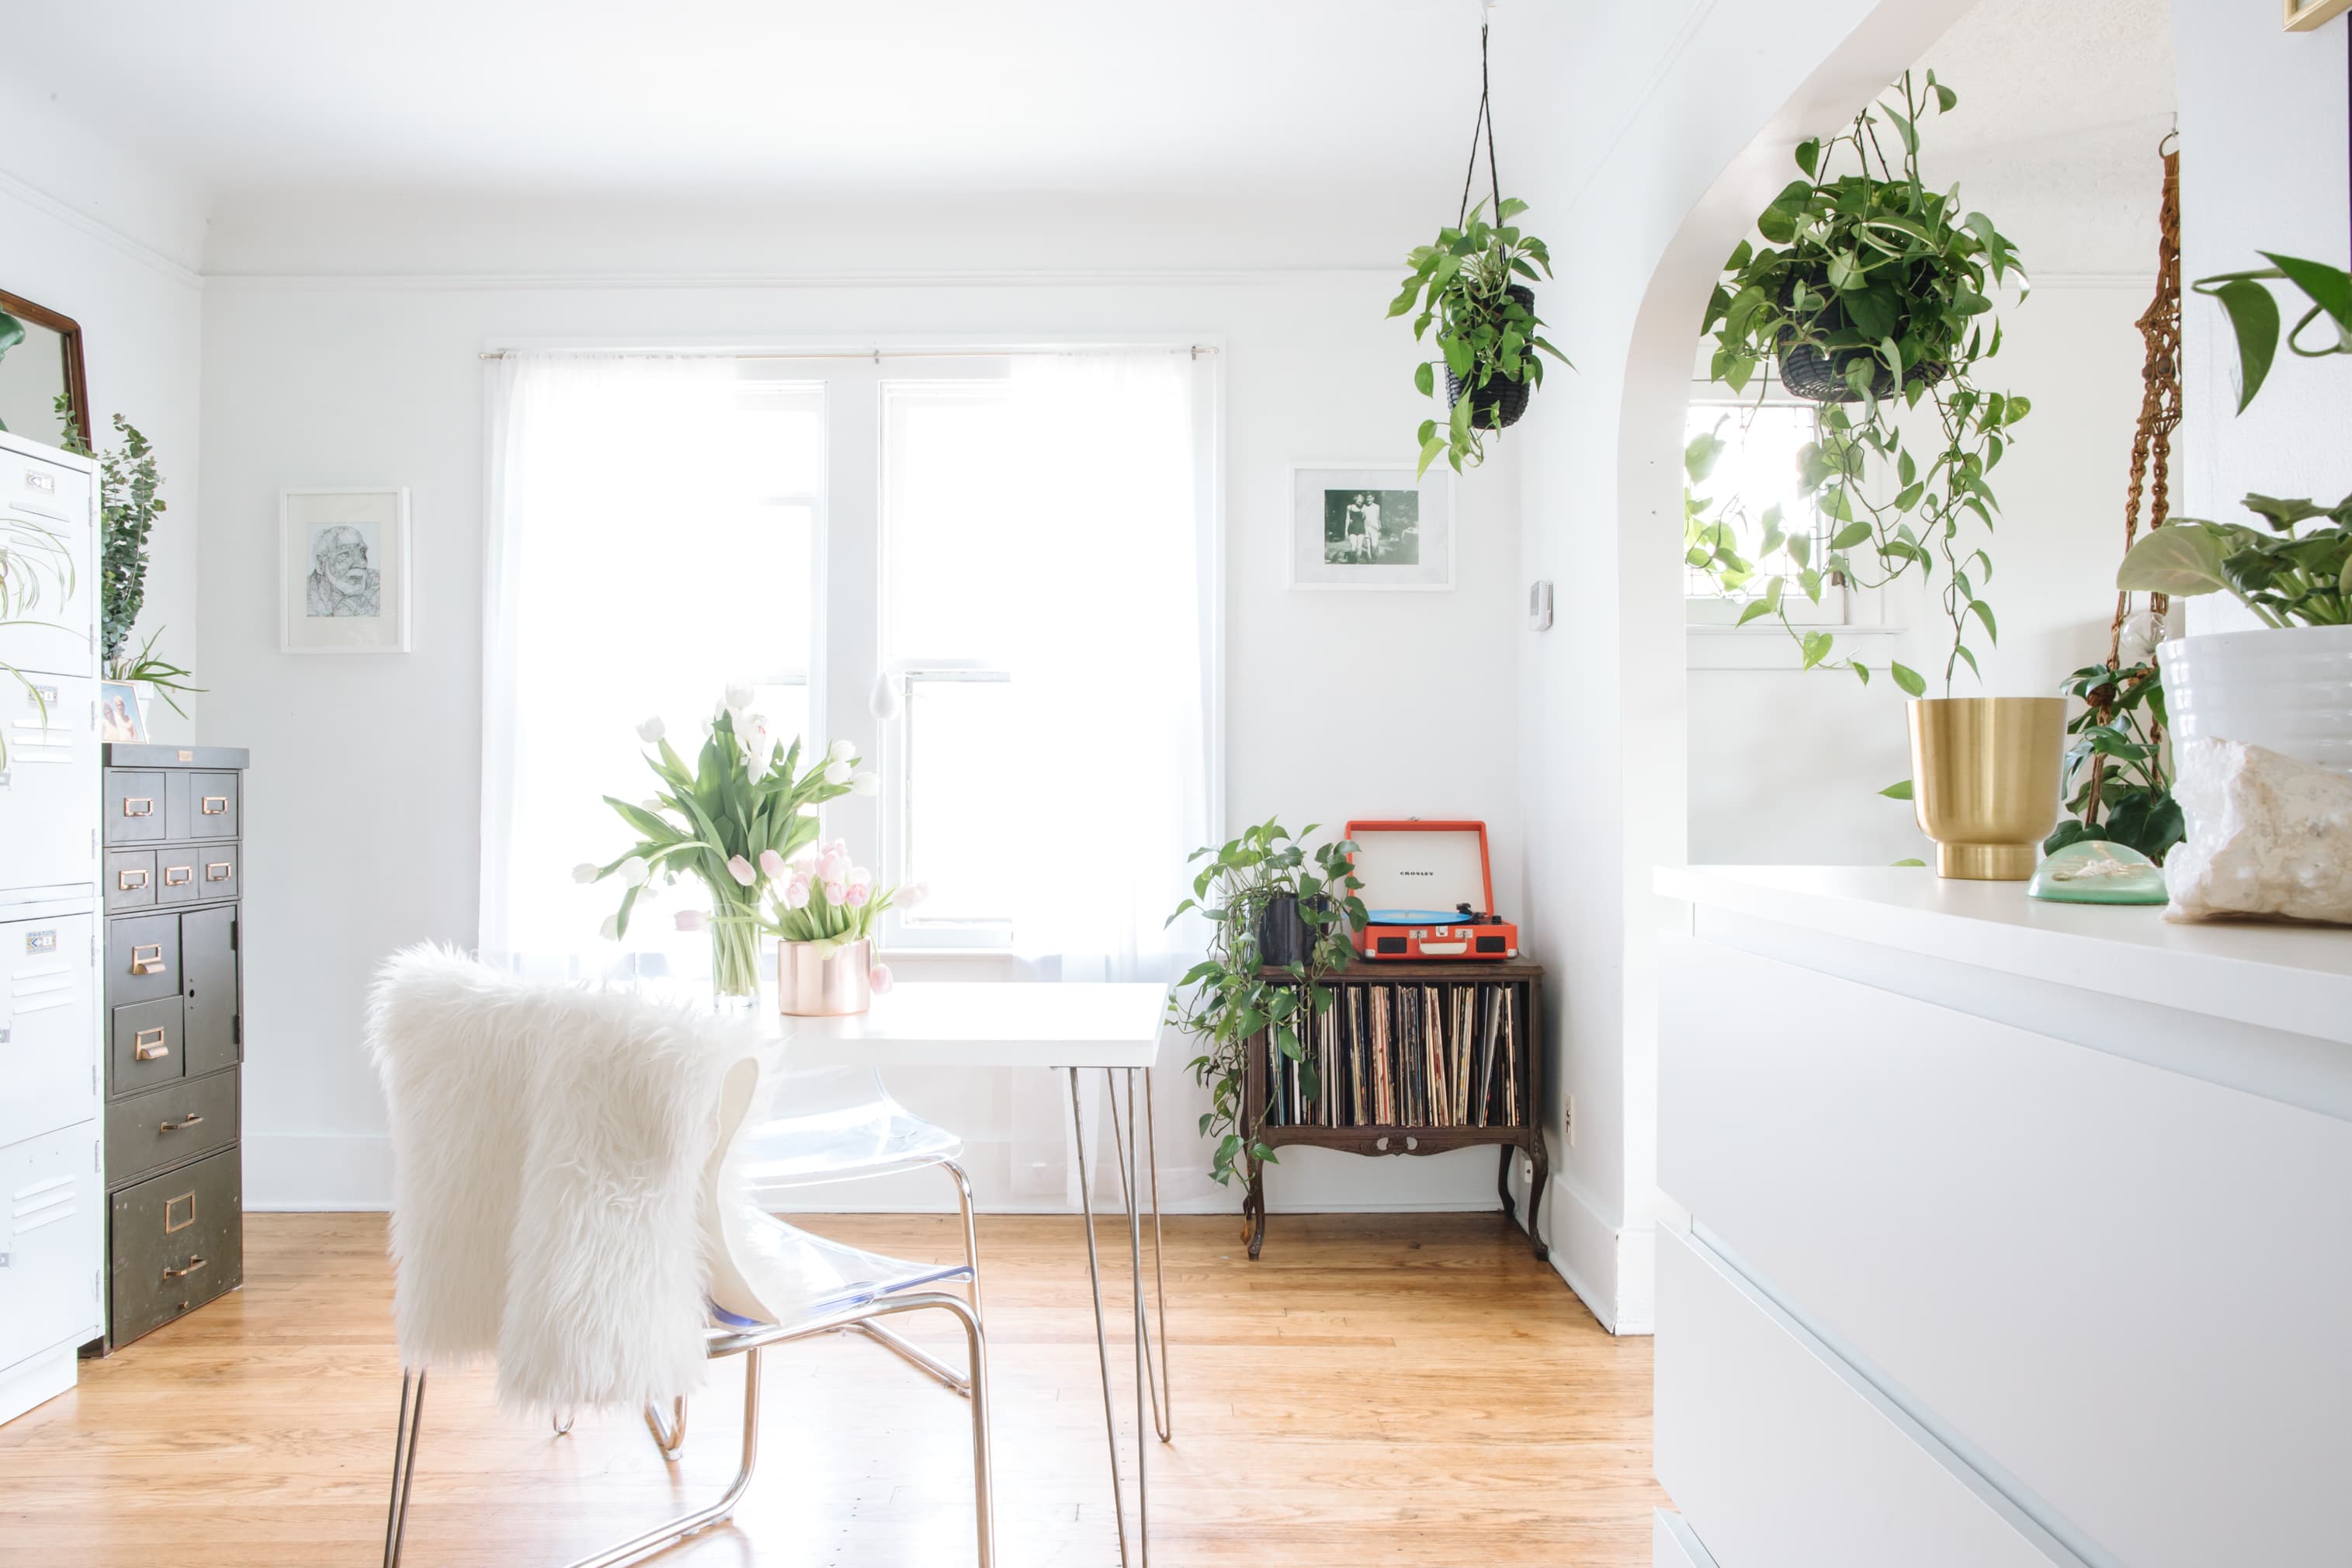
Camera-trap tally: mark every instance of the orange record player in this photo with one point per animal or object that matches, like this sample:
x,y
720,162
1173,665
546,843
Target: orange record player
x,y
1429,891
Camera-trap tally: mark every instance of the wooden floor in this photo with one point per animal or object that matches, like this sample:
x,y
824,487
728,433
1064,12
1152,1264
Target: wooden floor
x,y
1378,1389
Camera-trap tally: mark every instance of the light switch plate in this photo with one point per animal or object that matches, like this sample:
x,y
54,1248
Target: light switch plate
x,y
1539,607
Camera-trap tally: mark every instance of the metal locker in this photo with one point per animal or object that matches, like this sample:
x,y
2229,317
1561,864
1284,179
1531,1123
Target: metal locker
x,y
49,812
48,1022
47,520
50,1226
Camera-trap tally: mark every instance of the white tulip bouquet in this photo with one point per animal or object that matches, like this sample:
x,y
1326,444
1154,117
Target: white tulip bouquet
x,y
733,820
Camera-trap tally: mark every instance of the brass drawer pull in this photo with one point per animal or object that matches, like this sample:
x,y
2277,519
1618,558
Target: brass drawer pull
x,y
216,872
145,804
190,1119
124,881
193,1264
147,1046
147,959
178,876
214,805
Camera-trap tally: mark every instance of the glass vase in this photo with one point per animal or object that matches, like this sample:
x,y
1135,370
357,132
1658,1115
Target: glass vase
x,y
734,959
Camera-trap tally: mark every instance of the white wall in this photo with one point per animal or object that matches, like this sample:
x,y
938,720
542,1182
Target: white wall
x,y
2262,167
1785,764
95,235
363,800
1671,126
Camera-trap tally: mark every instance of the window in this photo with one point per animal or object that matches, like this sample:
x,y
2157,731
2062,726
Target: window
x,y
1751,481
1018,646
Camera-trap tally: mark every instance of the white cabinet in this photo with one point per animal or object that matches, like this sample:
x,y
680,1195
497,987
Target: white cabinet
x,y
52,1208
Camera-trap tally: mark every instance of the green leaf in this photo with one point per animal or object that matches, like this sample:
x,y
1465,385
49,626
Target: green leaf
x,y
1755,610
2330,288
1809,159
1899,790
2183,558
1853,534
1424,379
1911,681
1984,613
2254,320
1909,862
1816,646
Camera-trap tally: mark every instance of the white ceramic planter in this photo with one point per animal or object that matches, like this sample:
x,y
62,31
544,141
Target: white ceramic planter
x,y
2289,689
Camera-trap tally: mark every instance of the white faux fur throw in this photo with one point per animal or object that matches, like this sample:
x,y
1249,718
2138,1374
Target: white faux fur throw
x,y
548,1153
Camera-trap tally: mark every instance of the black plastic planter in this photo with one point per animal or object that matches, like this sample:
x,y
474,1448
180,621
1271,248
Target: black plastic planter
x,y
1283,935
1819,378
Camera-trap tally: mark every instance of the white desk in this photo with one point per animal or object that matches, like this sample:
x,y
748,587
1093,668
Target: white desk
x,y
1073,1028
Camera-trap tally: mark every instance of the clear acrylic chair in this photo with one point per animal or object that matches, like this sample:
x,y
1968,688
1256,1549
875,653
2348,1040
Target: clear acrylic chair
x,y
841,1124
771,1284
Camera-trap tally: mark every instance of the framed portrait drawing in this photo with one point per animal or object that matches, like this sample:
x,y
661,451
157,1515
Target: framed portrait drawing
x,y
342,572
1368,527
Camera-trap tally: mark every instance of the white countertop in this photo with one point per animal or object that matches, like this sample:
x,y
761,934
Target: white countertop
x,y
982,1023
2289,977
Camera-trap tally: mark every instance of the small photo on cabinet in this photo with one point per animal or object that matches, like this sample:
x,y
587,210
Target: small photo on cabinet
x,y
118,713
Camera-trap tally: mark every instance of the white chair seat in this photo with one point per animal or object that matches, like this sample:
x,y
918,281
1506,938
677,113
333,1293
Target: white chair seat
x,y
843,1126
799,1276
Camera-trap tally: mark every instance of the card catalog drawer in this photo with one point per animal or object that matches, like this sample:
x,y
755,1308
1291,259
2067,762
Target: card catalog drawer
x,y
142,958
130,881
215,872
134,807
166,1126
148,1047
178,1242
211,810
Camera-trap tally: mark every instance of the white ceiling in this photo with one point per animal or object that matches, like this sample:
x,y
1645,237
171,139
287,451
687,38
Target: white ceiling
x,y
761,95
1292,131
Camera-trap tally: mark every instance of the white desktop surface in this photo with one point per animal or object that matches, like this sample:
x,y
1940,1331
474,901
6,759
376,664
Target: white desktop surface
x,y
982,1023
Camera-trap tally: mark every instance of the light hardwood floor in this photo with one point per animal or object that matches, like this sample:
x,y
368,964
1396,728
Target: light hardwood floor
x,y
1378,1389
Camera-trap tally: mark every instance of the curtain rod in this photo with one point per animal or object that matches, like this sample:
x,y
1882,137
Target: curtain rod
x,y
879,355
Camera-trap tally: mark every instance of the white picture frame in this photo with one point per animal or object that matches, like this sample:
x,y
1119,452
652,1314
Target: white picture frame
x,y
342,571
1343,510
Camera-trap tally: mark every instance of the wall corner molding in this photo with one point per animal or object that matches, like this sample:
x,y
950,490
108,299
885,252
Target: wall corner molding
x,y
105,233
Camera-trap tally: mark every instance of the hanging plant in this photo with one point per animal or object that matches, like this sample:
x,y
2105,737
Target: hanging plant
x,y
1474,287
1870,295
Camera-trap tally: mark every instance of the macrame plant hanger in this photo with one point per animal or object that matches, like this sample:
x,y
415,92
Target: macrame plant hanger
x,y
1484,121
2160,415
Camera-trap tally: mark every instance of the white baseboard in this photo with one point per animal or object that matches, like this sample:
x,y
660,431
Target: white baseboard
x,y
1612,1268
351,1172
317,1172
37,1380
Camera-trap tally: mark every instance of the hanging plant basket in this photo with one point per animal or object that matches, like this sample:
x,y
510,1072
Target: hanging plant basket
x,y
1819,378
1498,404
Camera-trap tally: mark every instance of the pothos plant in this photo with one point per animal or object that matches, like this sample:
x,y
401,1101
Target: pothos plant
x,y
1871,292
1468,286
1226,1000
2286,575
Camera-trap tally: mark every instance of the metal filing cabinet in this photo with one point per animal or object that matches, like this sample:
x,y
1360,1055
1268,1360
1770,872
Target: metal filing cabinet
x,y
174,1035
52,1210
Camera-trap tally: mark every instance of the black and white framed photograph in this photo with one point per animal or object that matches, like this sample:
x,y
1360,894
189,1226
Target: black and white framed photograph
x,y
1370,527
344,571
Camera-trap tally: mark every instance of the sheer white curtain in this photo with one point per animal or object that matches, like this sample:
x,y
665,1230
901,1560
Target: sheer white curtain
x,y
1110,680
611,500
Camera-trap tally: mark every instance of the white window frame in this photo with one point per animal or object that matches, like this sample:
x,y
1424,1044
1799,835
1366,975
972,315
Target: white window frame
x,y
1721,611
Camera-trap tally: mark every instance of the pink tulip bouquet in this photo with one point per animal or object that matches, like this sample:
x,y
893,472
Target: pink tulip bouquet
x,y
821,897
733,820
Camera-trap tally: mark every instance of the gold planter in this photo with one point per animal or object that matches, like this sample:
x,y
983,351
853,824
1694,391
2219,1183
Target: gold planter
x,y
829,985
1984,780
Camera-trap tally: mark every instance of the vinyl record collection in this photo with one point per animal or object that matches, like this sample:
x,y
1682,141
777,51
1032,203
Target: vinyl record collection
x,y
1407,1055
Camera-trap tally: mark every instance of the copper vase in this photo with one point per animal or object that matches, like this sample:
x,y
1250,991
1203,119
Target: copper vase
x,y
1984,780
810,983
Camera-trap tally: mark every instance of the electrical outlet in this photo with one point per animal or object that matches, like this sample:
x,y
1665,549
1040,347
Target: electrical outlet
x,y
1572,1121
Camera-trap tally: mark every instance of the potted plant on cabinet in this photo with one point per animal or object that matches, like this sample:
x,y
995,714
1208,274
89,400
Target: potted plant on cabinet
x,y
131,499
1227,999
2283,685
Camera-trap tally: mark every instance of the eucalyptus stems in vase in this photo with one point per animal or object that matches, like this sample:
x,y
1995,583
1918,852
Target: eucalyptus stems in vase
x,y
1227,999
735,820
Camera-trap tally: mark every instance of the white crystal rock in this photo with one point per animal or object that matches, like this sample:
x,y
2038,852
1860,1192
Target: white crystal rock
x,y
2267,836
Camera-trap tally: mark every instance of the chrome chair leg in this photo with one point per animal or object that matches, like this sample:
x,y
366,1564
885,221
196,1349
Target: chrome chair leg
x,y
563,1424
971,1231
670,1437
404,1462
686,1524
914,1354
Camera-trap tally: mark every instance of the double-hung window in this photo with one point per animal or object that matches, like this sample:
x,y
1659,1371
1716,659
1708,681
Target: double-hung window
x,y
872,545
1742,487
